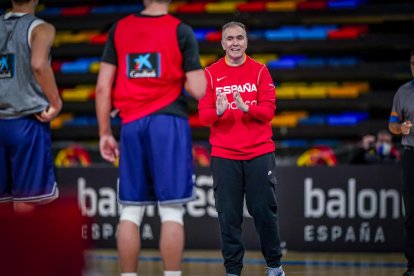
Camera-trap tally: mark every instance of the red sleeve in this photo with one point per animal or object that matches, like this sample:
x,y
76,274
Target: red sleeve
x,y
266,98
207,104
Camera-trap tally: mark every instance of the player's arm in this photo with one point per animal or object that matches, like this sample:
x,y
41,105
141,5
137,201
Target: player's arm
x,y
266,98
41,41
195,83
103,101
103,104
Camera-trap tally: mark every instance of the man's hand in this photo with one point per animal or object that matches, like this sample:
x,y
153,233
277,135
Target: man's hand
x,y
108,148
368,141
49,113
405,127
221,103
239,102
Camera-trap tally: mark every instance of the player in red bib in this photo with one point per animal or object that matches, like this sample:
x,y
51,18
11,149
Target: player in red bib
x,y
148,58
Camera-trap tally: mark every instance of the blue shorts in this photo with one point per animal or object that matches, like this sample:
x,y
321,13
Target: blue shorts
x,y
156,161
26,166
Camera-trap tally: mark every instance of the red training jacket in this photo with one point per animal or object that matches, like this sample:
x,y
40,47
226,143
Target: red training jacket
x,y
237,135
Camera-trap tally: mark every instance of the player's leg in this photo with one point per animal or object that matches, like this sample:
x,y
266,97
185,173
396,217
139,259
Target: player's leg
x,y
172,171
172,236
128,246
32,168
133,193
129,239
171,159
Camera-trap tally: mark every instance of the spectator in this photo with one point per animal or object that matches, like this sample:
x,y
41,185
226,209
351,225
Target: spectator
x,y
377,150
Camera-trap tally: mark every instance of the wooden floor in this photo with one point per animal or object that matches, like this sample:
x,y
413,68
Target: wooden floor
x,y
209,263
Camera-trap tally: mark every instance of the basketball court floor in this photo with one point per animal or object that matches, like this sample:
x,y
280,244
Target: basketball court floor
x,y
209,263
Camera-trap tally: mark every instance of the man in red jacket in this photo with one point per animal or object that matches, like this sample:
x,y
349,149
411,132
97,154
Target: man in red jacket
x,y
238,106
147,60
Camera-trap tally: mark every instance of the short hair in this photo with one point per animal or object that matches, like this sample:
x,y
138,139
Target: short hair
x,y
232,24
412,53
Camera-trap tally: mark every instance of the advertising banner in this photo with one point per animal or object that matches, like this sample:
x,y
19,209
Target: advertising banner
x,y
343,208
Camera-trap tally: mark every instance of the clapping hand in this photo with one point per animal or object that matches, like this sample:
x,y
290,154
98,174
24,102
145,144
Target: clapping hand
x,y
221,103
239,102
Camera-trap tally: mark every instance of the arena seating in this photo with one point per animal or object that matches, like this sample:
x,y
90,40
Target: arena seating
x,y
336,64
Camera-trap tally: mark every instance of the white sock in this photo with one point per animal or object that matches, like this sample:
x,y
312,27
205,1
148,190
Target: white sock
x,y
172,273
129,274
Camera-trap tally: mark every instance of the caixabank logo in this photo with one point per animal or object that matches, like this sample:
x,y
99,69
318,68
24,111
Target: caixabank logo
x,y
144,65
6,66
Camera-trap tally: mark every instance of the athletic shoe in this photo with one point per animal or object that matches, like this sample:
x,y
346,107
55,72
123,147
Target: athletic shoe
x,y
278,271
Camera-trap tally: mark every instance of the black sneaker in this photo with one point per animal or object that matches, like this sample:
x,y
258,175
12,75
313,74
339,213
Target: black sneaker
x,y
409,272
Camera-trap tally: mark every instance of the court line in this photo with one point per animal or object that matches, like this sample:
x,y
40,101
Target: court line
x,y
311,263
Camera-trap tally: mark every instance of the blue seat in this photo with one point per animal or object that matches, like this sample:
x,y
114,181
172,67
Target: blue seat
x,y
344,4
347,118
282,64
312,62
276,35
286,62
312,34
294,143
361,116
81,65
343,61
74,67
200,34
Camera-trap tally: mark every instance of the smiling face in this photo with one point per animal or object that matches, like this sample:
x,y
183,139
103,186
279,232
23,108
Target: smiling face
x,y
234,42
